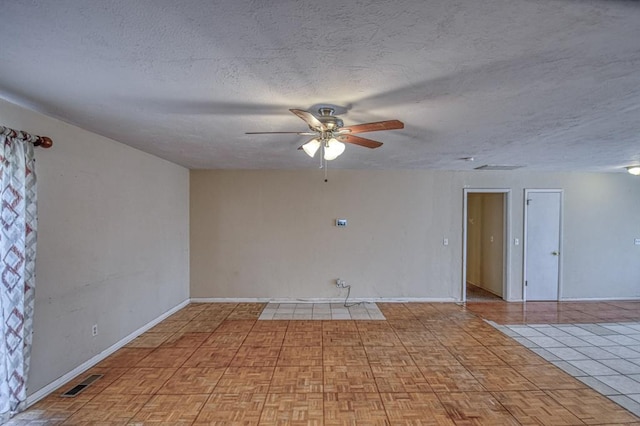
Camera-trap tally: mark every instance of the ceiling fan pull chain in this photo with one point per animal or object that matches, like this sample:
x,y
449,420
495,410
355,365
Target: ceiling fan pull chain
x,y
326,166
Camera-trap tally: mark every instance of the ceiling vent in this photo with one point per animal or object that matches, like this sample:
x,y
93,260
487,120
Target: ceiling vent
x,y
497,167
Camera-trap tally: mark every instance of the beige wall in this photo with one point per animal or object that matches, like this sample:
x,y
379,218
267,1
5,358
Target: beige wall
x,y
112,242
271,234
493,242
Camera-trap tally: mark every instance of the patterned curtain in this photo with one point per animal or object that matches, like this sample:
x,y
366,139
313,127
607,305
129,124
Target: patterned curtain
x,y
18,221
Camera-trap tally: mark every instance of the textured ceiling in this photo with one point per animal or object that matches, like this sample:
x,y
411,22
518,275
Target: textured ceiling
x,y
551,85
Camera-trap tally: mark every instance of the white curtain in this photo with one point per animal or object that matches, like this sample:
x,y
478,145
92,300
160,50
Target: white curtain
x,y
18,223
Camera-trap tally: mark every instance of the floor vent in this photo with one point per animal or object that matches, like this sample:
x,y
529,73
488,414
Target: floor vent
x,y
82,386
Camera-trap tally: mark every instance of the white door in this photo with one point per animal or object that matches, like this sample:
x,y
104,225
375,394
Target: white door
x,y
542,245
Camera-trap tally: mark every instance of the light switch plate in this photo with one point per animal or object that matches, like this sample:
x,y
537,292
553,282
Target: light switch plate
x,y
636,241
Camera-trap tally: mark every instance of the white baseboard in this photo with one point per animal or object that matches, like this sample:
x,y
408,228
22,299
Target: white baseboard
x,y
41,393
322,300
597,299
410,299
230,299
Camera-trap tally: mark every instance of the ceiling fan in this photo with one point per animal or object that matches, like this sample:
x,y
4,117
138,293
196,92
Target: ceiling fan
x,y
329,132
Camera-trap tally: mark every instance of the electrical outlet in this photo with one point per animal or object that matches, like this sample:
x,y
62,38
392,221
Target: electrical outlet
x,y
340,283
94,330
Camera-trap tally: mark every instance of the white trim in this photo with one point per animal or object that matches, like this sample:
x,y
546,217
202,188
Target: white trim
x,y
43,392
524,239
323,300
230,299
465,219
506,255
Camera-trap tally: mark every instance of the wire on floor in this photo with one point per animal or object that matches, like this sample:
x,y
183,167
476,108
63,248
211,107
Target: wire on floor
x,y
348,287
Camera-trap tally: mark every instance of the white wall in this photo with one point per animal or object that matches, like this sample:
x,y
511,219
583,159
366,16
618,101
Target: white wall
x,y
112,242
271,234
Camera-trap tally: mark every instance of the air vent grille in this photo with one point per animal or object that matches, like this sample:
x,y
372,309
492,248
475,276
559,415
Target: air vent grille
x,y
82,386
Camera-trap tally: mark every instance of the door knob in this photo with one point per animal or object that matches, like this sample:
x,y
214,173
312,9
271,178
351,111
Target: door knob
x,y
555,253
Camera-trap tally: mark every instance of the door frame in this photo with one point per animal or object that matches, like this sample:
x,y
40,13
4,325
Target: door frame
x,y
506,256
525,245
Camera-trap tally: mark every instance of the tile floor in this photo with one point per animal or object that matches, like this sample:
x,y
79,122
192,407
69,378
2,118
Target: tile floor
x,y
604,356
321,311
424,364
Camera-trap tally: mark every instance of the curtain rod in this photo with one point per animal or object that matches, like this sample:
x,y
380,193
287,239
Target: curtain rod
x,y
42,141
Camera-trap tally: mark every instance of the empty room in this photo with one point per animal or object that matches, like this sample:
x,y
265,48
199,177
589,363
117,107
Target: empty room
x,y
297,212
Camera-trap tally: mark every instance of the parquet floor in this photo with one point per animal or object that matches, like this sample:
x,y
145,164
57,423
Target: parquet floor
x,y
426,364
556,312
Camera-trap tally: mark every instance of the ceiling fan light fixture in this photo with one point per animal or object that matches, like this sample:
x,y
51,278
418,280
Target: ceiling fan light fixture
x,y
333,149
634,170
311,147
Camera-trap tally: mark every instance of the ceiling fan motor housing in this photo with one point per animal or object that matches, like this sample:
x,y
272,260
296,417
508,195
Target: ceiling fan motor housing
x,y
331,122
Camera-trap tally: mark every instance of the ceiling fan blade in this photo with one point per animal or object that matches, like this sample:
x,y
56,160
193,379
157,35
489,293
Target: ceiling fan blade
x,y
357,140
310,119
281,133
372,127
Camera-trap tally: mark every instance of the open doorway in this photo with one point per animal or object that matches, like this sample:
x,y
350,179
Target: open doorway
x,y
485,248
